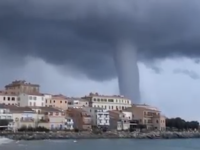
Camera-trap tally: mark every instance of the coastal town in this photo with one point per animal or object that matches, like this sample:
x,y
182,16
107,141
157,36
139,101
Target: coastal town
x,y
25,106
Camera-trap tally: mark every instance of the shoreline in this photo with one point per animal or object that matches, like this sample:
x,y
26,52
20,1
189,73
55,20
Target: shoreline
x,y
107,135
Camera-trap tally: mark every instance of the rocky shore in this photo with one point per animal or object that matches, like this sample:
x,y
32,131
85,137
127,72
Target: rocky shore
x,y
107,135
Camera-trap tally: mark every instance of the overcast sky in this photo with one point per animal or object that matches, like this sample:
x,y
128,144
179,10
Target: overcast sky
x,y
67,47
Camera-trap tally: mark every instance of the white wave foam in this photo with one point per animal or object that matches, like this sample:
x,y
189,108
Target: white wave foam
x,y
4,140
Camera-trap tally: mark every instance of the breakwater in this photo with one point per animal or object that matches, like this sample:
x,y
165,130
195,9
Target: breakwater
x,y
105,135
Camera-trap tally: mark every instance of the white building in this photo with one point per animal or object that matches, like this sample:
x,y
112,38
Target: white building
x,y
5,113
69,123
32,100
127,115
8,98
100,117
108,102
103,118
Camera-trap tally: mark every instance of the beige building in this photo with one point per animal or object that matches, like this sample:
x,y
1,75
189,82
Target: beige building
x,y
57,101
50,117
115,102
9,98
120,120
22,116
149,116
21,86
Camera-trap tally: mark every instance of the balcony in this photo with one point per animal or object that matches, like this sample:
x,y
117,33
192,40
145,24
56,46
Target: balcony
x,y
27,119
151,115
6,117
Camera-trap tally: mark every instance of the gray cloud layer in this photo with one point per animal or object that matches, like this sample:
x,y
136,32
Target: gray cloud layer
x,y
190,73
83,33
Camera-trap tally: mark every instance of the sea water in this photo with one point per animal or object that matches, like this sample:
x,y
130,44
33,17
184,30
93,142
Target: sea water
x,y
104,144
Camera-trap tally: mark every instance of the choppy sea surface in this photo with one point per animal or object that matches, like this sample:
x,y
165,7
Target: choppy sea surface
x,y
125,144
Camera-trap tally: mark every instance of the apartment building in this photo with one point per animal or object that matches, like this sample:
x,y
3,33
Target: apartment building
x,y
100,117
115,102
82,119
149,116
120,120
22,117
50,117
21,86
9,98
57,101
77,103
31,99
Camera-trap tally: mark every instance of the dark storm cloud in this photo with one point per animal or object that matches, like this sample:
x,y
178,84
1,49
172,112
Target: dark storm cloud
x,y
83,33
189,73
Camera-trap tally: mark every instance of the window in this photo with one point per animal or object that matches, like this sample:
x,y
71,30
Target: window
x,y
30,97
54,101
50,101
110,100
60,101
4,98
8,98
35,98
13,99
34,104
42,104
30,104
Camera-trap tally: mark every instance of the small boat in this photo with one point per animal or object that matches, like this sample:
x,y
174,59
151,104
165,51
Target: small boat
x,y
75,141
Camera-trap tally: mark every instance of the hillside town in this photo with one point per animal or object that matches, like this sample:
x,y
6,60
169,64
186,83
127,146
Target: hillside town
x,y
24,105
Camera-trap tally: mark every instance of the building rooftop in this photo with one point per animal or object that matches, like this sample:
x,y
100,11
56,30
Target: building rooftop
x,y
20,82
33,94
16,109
8,93
46,109
59,96
106,96
146,107
76,98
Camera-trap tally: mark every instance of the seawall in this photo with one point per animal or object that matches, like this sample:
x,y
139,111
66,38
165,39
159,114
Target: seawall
x,y
107,135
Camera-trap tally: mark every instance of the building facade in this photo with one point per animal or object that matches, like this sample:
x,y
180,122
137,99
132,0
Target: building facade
x,y
31,99
50,117
5,113
57,101
22,117
69,123
120,120
100,117
108,102
149,116
82,119
9,98
21,86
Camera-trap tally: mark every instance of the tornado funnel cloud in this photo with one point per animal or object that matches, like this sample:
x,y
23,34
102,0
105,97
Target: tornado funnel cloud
x,y
128,74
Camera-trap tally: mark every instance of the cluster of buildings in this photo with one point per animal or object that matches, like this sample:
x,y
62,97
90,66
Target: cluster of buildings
x,y
24,105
